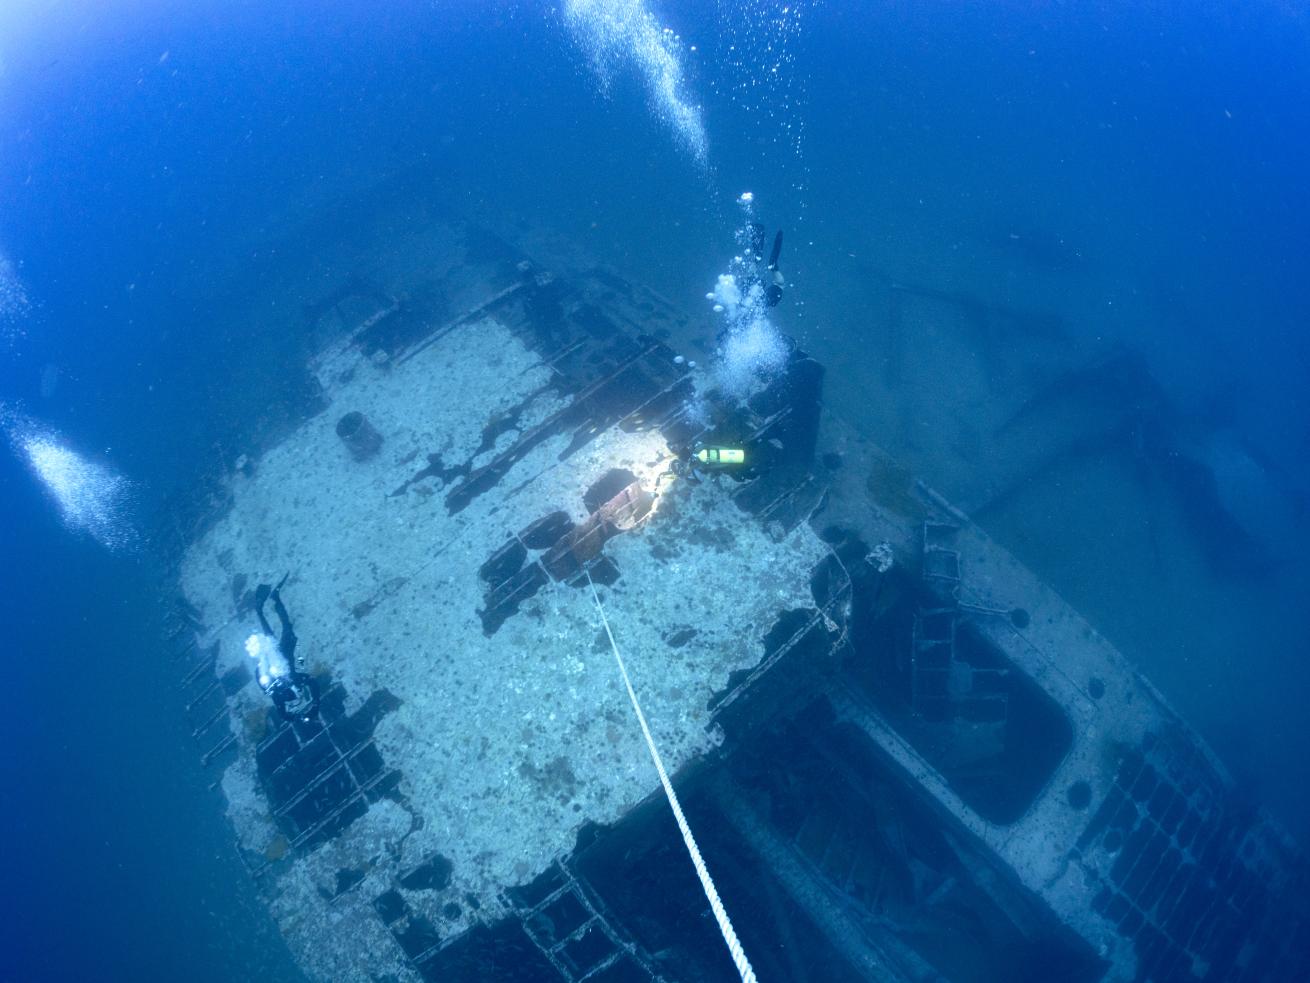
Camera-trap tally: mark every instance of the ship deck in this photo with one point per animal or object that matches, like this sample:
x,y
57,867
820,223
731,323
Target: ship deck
x,y
476,783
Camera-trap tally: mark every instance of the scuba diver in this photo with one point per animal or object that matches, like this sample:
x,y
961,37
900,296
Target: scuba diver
x,y
280,674
768,275
699,461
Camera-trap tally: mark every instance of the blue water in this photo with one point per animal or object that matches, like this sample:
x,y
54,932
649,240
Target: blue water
x,y
150,154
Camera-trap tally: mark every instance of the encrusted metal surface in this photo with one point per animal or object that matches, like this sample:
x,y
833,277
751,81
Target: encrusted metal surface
x,y
470,725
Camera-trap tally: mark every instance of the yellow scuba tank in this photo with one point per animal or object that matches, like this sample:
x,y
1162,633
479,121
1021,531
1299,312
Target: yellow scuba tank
x,y
721,456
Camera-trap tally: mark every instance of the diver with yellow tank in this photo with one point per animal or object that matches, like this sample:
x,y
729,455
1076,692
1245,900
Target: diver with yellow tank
x,y
699,461
710,459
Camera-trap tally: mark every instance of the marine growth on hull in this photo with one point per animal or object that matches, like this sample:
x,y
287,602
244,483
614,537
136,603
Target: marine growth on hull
x,y
905,757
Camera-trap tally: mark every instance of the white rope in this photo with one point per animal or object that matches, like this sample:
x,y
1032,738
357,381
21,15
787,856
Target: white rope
x,y
720,913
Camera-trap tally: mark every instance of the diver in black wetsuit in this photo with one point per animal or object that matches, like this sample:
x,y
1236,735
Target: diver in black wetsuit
x,y
280,675
768,274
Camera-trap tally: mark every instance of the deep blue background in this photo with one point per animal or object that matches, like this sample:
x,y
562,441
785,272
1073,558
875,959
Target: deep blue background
x,y
1168,140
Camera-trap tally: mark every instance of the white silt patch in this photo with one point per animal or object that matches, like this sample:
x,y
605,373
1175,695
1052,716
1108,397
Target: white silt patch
x,y
333,938
247,808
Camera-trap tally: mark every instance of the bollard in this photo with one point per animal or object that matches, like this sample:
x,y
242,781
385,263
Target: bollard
x,y
359,436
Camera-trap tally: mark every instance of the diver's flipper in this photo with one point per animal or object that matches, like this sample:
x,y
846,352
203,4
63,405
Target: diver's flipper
x,y
261,595
284,579
777,251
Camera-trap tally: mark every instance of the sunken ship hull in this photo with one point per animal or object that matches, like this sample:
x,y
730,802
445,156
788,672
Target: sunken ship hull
x,y
906,758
